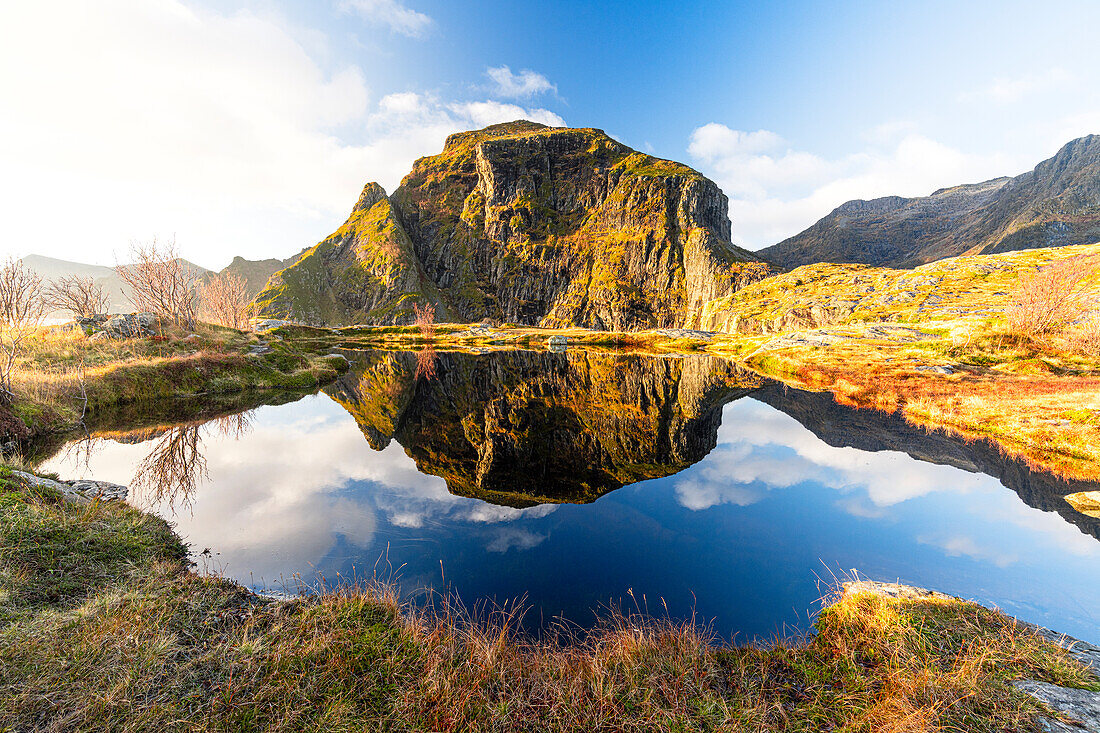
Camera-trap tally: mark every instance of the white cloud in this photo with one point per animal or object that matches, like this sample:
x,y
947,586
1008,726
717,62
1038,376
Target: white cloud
x,y
963,546
526,83
776,191
1008,90
277,499
746,465
150,117
392,13
485,113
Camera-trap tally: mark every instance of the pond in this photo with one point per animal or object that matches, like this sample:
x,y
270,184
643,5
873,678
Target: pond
x,y
581,480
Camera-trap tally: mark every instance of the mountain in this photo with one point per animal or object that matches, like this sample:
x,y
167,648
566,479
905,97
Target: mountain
x,y
49,268
254,272
527,224
1056,204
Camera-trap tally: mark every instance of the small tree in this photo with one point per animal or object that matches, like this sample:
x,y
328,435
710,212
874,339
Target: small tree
x,y
21,310
160,282
1046,302
81,296
224,300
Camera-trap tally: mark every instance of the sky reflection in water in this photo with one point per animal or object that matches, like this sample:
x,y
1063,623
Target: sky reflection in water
x,y
740,537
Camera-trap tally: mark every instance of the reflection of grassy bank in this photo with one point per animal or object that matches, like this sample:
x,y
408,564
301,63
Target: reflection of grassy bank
x,y
61,377
104,629
1035,402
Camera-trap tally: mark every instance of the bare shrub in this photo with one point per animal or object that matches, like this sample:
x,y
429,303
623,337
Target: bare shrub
x,y
21,310
1046,302
424,318
1086,336
160,282
81,296
224,300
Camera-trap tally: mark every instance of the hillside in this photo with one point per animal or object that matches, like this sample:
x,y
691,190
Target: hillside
x,y
828,294
1056,204
522,223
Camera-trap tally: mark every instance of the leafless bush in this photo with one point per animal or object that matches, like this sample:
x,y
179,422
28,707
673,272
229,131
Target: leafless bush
x,y
21,310
1046,302
425,319
81,296
224,300
1086,336
161,283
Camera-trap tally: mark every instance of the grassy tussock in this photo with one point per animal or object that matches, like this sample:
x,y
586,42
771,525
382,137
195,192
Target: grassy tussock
x,y
130,640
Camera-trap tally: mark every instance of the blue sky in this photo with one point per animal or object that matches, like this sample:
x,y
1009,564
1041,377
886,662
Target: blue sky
x,y
248,126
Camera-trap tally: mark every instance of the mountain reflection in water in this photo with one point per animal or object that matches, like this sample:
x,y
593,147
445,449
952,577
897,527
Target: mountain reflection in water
x,y
734,495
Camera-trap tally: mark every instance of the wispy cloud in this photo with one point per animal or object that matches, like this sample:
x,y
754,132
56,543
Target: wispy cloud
x,y
392,13
523,85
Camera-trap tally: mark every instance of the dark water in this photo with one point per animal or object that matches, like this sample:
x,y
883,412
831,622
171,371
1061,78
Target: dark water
x,y
581,480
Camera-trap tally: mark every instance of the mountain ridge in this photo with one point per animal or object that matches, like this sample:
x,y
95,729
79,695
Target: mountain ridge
x,y
254,272
1055,204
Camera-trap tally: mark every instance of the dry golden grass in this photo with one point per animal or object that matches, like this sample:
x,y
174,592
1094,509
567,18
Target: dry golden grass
x,y
127,640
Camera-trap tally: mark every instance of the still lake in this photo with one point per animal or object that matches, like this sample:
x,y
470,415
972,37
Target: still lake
x,y
580,480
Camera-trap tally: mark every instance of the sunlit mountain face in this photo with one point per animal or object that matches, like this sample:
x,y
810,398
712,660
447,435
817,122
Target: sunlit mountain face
x,y
579,480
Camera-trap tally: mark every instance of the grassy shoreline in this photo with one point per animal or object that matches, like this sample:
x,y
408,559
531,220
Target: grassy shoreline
x,y
968,377
64,379
103,626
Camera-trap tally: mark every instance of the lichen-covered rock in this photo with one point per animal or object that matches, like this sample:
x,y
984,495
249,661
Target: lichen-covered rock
x,y
527,224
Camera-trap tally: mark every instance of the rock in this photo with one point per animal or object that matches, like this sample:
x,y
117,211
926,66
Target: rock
x,y
625,241
1082,706
891,590
686,333
558,341
100,490
82,491
1086,502
267,324
128,325
935,369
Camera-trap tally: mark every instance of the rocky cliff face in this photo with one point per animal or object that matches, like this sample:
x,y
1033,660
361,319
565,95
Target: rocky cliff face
x,y
522,427
1056,204
526,224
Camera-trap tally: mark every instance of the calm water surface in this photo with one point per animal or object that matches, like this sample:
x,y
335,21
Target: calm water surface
x,y
581,480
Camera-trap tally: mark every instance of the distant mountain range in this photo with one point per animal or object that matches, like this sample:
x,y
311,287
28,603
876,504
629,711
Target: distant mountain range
x,y
1056,204
254,272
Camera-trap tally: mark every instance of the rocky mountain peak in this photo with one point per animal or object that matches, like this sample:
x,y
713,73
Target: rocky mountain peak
x,y
523,223
371,195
